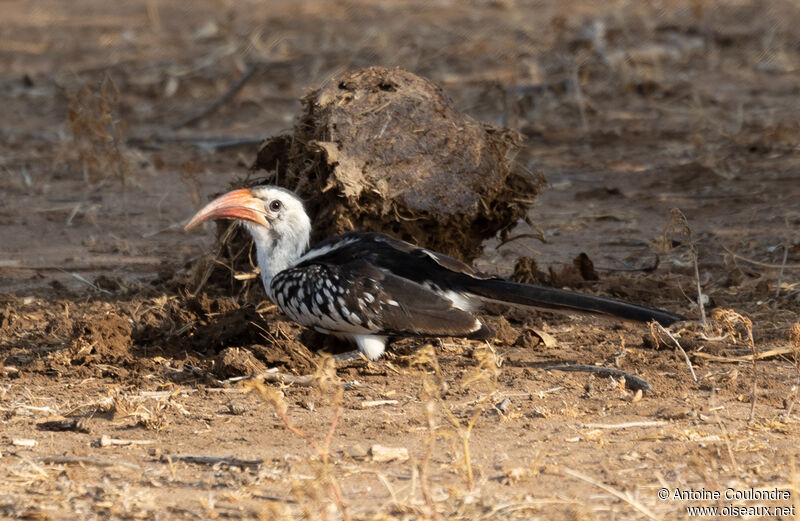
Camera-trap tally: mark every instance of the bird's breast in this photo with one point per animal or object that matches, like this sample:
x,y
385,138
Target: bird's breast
x,y
318,299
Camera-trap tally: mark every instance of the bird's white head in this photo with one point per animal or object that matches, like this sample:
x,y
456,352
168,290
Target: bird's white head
x,y
274,216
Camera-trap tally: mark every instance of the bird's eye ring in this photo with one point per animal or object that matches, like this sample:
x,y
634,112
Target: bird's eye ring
x,y
275,205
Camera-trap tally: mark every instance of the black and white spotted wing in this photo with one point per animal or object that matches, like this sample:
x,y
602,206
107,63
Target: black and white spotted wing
x,y
358,298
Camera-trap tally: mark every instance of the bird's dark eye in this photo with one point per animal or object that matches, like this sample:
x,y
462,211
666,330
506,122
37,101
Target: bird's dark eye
x,y
275,205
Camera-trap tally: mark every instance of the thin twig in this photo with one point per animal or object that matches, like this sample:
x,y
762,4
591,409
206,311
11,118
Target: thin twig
x,y
85,460
86,281
108,441
632,381
762,264
105,262
730,320
725,436
655,325
780,273
700,303
214,460
215,143
769,353
303,381
323,450
614,492
157,395
628,267
377,403
718,338
217,103
626,425
75,425
538,236
337,411
579,100
273,498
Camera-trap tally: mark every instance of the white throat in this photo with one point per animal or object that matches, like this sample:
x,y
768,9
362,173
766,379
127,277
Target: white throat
x,y
277,252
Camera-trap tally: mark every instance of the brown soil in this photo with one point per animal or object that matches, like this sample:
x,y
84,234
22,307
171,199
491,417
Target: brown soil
x,y
115,325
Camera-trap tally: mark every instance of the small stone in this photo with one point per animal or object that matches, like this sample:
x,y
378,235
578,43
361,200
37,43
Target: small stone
x,y
356,451
503,406
516,474
237,409
381,454
540,412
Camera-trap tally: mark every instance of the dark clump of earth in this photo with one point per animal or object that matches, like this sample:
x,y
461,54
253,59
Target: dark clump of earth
x,y
101,339
385,150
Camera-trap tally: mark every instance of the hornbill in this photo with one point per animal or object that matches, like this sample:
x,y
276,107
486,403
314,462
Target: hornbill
x,y
367,287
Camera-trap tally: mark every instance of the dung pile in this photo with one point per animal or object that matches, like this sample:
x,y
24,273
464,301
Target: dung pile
x,y
385,150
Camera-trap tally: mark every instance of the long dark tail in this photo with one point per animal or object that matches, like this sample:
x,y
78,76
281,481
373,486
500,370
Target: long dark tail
x,y
558,299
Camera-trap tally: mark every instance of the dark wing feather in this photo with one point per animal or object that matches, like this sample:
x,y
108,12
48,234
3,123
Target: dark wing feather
x,y
395,256
554,299
409,308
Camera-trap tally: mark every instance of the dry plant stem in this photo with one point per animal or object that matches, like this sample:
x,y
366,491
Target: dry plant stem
x,y
700,303
727,439
107,441
679,225
333,484
626,425
308,439
303,381
214,460
759,263
755,386
98,137
217,103
334,421
780,273
486,372
794,341
83,460
763,355
81,278
203,142
656,326
388,486
539,236
632,381
579,100
730,320
795,485
614,492
724,431
465,432
423,467
323,451
274,498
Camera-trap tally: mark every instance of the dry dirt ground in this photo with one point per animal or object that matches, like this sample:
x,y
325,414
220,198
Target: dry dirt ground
x,y
116,325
